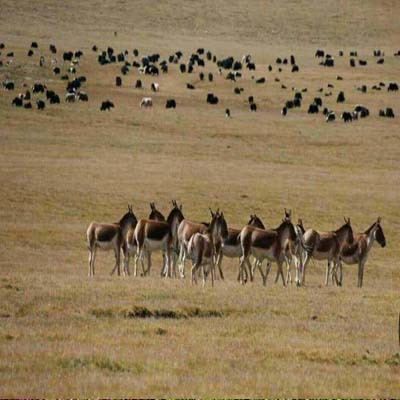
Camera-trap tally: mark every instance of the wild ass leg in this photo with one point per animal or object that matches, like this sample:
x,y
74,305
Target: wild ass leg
x,y
360,273
168,262
264,277
305,263
288,274
126,263
219,262
117,252
212,266
280,272
147,272
328,268
182,258
92,255
267,269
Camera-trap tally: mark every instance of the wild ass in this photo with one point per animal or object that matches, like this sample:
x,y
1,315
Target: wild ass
x,y
185,231
201,247
324,246
129,246
272,244
107,237
152,235
230,246
357,252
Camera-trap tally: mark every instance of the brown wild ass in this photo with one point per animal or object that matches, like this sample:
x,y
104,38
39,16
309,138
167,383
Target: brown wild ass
x,y
231,248
201,247
129,247
357,252
107,237
186,230
325,246
153,235
272,244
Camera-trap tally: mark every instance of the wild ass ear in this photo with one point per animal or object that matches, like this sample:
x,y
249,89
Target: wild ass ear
x,y
378,221
211,211
300,222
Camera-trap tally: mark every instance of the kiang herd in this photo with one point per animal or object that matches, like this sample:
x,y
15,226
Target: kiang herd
x,y
205,244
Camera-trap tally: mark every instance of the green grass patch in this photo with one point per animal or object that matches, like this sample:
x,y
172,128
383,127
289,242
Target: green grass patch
x,y
394,360
191,312
102,312
102,363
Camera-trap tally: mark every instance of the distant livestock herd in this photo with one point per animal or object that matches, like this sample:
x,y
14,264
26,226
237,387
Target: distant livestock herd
x,y
207,243
153,65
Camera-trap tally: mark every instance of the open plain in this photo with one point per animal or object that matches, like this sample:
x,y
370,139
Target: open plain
x,y
63,334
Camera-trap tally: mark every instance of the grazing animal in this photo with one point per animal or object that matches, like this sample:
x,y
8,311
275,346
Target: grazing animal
x,y
107,237
295,68
227,113
17,102
352,62
40,104
393,87
171,103
210,77
138,84
70,97
340,98
346,117
146,102
82,96
54,99
261,80
330,116
361,111
313,109
357,251
190,86
118,81
106,105
318,101
284,111
389,112
28,105
155,87
253,107
8,85
38,88
211,99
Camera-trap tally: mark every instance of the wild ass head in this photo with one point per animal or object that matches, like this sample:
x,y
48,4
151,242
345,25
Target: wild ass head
x,y
155,214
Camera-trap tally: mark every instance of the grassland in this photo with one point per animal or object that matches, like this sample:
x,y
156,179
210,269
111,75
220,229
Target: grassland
x,y
62,334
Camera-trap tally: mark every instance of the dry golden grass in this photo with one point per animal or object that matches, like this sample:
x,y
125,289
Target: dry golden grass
x,y
62,334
